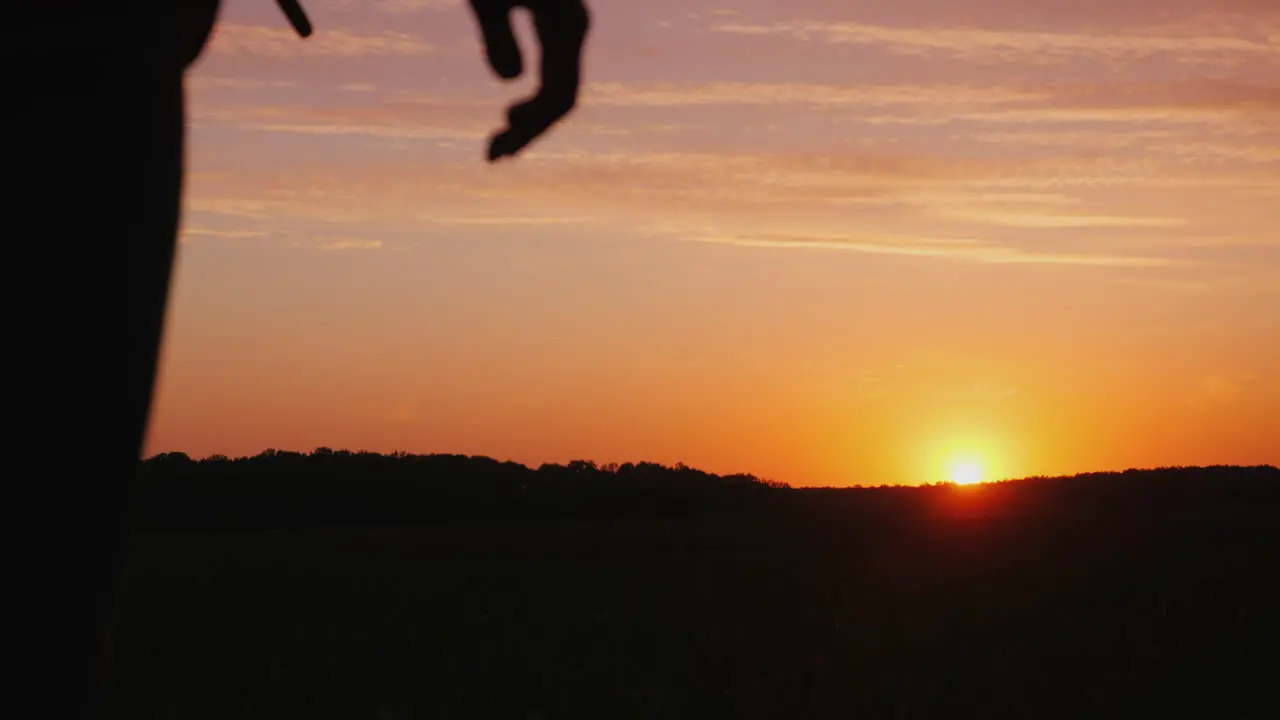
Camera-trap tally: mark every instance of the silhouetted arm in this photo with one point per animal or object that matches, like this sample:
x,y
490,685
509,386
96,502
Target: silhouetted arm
x,y
297,16
562,27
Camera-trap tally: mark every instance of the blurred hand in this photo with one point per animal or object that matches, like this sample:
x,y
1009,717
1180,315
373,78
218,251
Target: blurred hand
x,y
562,27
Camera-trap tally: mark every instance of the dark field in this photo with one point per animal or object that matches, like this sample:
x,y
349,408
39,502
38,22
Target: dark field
x,y
1139,595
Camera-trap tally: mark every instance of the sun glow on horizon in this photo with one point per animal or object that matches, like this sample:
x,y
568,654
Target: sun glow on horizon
x,y
970,457
966,472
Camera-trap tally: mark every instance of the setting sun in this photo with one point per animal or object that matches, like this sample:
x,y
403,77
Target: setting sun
x,y
971,456
966,473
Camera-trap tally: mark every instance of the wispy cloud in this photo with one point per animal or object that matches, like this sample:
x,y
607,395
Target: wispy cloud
x,y
802,94
230,234
1008,44
351,244
1050,194
1220,151
201,82
522,220
1075,139
957,249
399,132
1041,220
1172,114
387,119
1100,112
236,39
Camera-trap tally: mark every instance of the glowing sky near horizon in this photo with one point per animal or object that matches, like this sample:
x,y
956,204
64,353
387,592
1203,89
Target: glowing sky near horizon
x,y
823,242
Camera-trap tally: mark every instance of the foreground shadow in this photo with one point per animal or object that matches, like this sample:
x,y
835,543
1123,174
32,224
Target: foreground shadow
x,y
95,120
338,585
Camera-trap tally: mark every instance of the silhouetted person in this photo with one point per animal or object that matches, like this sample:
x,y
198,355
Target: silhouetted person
x,y
94,113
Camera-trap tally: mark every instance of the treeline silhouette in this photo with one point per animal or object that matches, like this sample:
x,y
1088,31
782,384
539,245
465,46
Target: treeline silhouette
x,y
341,585
333,488
328,487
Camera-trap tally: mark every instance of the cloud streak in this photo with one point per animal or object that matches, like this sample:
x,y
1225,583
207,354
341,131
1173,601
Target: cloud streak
x,y
238,39
351,244
802,94
955,249
395,119
1008,44
1030,159
1040,220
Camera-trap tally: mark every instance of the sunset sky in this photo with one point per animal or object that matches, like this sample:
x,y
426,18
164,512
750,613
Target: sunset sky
x,y
823,241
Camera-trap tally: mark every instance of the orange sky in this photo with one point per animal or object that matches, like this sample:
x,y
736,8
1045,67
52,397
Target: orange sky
x,y
820,241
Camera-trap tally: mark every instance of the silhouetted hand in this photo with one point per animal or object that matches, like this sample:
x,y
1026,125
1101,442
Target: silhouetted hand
x,y
562,29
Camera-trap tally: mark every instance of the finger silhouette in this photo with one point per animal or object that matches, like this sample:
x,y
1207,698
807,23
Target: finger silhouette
x,y
297,16
561,26
494,17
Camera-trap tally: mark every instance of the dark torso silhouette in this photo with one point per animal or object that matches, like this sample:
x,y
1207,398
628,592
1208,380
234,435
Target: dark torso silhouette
x,y
94,114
